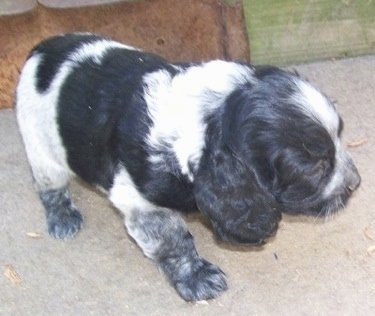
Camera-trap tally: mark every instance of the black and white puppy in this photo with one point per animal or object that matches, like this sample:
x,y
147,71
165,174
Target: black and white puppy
x,y
239,143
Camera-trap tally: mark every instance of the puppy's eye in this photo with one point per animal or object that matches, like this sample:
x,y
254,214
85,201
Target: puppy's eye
x,y
320,166
318,169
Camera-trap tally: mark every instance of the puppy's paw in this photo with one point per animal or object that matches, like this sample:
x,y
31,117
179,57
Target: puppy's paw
x,y
63,219
203,281
64,224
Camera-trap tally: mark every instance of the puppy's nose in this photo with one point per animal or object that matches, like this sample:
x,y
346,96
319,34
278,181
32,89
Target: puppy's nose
x,y
354,184
352,177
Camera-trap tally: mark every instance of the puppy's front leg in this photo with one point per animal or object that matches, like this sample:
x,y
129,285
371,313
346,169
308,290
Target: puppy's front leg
x,y
164,237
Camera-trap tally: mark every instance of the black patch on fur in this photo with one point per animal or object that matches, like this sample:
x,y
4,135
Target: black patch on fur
x,y
100,106
103,121
55,52
230,193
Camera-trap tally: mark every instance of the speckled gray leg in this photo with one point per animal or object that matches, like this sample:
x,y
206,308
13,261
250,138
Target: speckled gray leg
x,y
164,237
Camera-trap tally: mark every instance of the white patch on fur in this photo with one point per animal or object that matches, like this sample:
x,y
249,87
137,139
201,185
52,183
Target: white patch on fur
x,y
96,50
342,171
125,196
178,106
337,178
318,107
37,115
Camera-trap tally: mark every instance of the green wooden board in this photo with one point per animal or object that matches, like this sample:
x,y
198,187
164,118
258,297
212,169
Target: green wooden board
x,y
294,31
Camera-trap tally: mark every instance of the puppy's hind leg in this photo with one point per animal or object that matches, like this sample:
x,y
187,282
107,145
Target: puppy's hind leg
x,y
37,119
51,180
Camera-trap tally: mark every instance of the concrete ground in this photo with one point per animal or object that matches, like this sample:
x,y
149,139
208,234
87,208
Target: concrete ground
x,y
310,268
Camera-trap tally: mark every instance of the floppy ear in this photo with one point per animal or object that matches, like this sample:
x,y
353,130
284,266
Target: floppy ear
x,y
229,191
239,207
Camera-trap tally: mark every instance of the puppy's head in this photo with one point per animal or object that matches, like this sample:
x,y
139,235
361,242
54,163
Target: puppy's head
x,y
281,139
297,146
